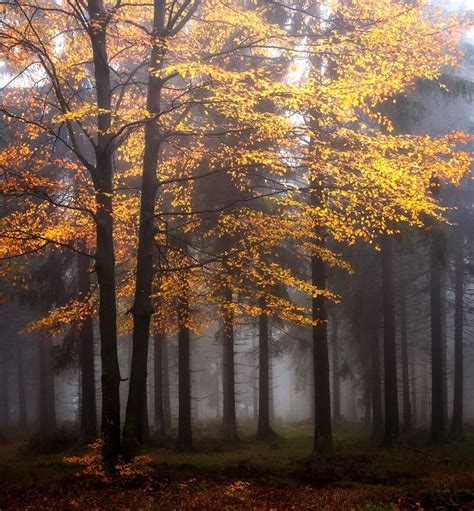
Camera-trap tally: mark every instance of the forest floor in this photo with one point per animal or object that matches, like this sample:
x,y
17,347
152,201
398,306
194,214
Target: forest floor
x,y
277,475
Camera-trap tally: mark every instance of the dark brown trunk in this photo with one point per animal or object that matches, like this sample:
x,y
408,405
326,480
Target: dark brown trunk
x,y
336,382
377,415
457,425
184,441
158,383
444,349
407,418
105,254
424,393
22,417
391,431
228,377
142,309
166,388
86,360
437,433
255,390
47,405
414,394
4,393
264,429
323,441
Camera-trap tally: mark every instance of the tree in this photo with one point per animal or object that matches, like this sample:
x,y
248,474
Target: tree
x,y
457,426
391,431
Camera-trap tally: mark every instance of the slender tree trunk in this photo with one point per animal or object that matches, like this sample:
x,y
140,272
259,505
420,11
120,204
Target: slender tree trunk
x,y
255,388
336,382
437,433
166,387
407,417
86,360
424,402
185,439
390,349
323,441
4,394
158,381
47,405
229,416
22,418
271,384
444,349
142,307
102,176
414,394
264,429
457,425
377,415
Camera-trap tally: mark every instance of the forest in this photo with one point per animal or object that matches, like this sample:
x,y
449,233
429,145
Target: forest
x,y
237,254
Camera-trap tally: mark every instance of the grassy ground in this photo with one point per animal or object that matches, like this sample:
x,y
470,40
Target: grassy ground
x,y
251,475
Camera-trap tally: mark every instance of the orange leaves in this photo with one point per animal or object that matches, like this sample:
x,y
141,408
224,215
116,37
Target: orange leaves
x,y
59,320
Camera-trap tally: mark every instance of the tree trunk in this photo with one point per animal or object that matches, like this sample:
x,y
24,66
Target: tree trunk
x,y
228,377
86,360
444,349
424,393
377,415
185,438
166,387
457,425
105,255
4,396
390,349
414,393
142,306
22,417
255,389
407,417
47,405
336,382
158,383
437,433
323,441
264,429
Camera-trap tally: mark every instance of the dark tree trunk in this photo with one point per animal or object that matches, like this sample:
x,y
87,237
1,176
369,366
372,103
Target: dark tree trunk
x,y
86,360
264,429
437,433
336,382
185,437
391,431
166,387
377,415
444,349
323,441
4,393
414,394
102,176
424,393
158,383
229,424
457,425
407,418
142,307
47,399
255,389
22,418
